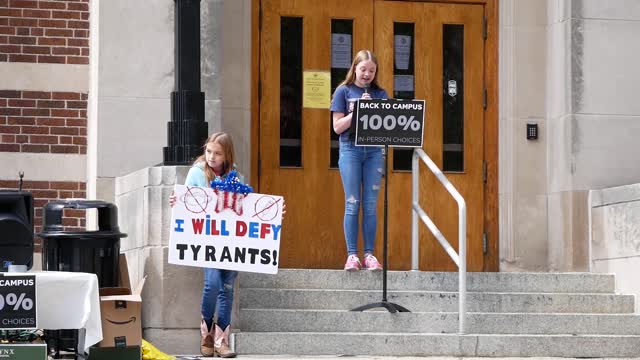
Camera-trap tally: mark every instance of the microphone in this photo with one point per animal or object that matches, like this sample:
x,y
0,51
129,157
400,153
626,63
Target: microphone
x,y
366,87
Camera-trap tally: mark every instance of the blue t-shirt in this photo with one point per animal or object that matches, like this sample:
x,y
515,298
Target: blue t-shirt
x,y
345,97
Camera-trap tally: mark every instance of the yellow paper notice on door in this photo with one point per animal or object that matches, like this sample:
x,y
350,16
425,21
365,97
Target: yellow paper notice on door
x,y
316,89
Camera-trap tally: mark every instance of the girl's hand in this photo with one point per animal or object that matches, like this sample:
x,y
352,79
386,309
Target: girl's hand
x,y
366,96
284,209
172,199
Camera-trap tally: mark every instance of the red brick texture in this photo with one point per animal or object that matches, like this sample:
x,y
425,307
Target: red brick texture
x,y
46,191
38,31
43,122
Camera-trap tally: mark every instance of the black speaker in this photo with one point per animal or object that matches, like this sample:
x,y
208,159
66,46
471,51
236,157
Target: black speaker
x,y
16,228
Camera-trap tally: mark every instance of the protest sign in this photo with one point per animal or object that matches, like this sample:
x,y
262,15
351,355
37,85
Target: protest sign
x,y
225,230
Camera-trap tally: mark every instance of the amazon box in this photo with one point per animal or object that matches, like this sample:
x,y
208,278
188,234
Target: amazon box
x,y
120,308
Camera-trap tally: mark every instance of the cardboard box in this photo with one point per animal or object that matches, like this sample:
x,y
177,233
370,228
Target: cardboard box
x,y
120,309
112,353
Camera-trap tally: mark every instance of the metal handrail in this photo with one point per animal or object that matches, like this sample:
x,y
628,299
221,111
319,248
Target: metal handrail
x,y
461,258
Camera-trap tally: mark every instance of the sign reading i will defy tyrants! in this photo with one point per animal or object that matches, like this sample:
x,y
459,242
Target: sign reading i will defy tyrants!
x,y
224,230
18,302
393,122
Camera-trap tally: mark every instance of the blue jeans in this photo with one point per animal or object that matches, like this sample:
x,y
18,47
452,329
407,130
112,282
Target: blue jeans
x,y
361,170
218,289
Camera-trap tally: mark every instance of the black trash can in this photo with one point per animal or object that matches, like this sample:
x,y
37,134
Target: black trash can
x,y
82,251
79,251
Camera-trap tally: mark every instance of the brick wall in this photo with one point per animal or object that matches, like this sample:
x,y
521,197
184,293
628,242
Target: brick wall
x,y
55,122
38,31
43,122
46,191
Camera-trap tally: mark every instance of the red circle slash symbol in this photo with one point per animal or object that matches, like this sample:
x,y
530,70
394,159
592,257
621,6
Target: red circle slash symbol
x,y
266,208
196,200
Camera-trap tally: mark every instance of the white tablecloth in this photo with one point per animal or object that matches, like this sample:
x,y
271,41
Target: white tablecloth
x,y
68,300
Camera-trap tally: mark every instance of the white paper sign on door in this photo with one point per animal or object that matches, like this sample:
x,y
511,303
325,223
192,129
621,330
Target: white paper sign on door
x,y
402,48
340,51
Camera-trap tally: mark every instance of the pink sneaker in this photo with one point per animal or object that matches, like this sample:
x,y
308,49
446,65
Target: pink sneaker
x,y
353,263
371,263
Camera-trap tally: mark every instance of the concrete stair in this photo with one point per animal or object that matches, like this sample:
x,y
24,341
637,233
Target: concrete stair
x,y
306,312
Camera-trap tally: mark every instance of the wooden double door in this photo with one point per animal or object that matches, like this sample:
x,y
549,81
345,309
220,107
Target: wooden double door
x,y
426,50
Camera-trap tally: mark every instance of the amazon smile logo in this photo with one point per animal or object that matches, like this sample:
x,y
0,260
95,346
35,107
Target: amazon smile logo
x,y
131,319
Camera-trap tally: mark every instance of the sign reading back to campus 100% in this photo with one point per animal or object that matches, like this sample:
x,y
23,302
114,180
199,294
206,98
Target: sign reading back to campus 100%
x,y
392,122
18,302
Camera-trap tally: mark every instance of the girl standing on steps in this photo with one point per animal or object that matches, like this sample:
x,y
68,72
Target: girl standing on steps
x,y
217,293
360,166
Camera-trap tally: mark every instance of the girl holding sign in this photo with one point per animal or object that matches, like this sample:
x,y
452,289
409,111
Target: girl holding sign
x,y
361,167
215,164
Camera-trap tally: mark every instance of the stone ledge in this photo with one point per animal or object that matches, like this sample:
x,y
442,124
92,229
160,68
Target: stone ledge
x,y
615,195
151,176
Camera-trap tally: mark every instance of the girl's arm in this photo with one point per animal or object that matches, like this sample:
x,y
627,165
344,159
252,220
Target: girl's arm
x,y
341,122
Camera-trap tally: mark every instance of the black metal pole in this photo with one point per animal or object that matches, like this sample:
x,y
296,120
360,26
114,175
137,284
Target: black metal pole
x,y
384,238
187,130
391,307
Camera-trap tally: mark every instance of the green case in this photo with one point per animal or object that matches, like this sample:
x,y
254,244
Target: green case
x,y
12,351
112,353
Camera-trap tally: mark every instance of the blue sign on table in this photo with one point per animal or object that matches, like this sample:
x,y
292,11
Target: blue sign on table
x,y
18,302
393,122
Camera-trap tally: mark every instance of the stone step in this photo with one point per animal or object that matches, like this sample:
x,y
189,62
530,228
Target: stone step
x,y
321,299
394,344
433,281
375,357
267,320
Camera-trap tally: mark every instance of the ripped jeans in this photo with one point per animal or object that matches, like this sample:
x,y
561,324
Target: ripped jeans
x,y
218,290
361,170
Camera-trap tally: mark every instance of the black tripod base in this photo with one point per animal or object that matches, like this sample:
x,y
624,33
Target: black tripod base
x,y
391,307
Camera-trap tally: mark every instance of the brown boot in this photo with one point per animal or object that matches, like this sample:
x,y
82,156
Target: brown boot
x,y
206,340
221,342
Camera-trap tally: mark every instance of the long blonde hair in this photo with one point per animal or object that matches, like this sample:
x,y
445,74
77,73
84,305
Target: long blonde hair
x,y
225,142
361,56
